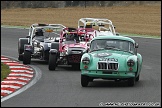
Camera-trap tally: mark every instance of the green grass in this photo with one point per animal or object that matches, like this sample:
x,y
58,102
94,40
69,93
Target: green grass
x,y
139,35
10,26
5,70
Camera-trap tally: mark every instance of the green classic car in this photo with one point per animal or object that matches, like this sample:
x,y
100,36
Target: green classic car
x,y
111,58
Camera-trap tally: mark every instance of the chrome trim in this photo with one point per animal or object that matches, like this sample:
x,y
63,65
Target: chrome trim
x,y
106,65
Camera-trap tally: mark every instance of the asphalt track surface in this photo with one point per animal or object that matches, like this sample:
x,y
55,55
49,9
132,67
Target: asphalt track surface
x,y
62,87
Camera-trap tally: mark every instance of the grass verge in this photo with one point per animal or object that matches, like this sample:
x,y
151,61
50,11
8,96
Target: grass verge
x,y
5,70
139,35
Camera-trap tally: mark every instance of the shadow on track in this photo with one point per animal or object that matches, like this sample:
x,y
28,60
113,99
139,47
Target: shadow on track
x,y
99,83
65,67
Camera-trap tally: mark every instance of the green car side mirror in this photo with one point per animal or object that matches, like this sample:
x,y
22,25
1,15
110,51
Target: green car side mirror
x,y
136,45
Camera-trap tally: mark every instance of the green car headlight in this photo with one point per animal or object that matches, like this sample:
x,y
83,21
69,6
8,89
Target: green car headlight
x,y
86,60
130,63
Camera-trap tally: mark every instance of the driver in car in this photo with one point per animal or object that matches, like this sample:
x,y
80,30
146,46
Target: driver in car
x,y
38,35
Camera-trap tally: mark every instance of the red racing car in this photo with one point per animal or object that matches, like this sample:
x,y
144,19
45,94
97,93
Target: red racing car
x,y
72,45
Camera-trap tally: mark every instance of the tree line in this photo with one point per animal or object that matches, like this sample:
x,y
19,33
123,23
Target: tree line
x,y
62,4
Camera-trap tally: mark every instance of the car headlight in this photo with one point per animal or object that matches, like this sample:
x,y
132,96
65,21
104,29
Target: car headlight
x,y
67,51
86,60
130,63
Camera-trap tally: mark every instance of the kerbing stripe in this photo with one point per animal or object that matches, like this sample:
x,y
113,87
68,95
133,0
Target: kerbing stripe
x,y
3,58
8,61
19,67
25,71
8,88
20,85
3,94
6,91
17,82
18,78
14,74
16,64
19,72
11,86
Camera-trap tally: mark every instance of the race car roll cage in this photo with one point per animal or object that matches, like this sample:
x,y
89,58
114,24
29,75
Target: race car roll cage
x,y
97,22
79,32
49,28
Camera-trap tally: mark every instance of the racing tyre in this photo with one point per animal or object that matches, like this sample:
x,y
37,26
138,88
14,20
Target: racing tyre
x,y
55,45
84,80
52,61
21,43
91,79
20,58
117,80
137,78
27,57
46,55
131,81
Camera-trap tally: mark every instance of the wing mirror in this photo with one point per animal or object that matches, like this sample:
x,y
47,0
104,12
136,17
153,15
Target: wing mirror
x,y
27,36
136,45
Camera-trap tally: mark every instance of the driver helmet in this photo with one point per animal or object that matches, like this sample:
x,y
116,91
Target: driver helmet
x,y
88,25
39,32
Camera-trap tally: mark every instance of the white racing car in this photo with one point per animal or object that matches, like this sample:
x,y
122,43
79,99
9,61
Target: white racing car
x,y
38,42
102,26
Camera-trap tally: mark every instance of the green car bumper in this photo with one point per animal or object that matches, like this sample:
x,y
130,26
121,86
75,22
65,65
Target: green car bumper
x,y
106,74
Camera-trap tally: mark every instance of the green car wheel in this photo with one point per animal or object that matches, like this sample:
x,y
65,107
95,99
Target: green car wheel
x,y
137,78
131,81
84,80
